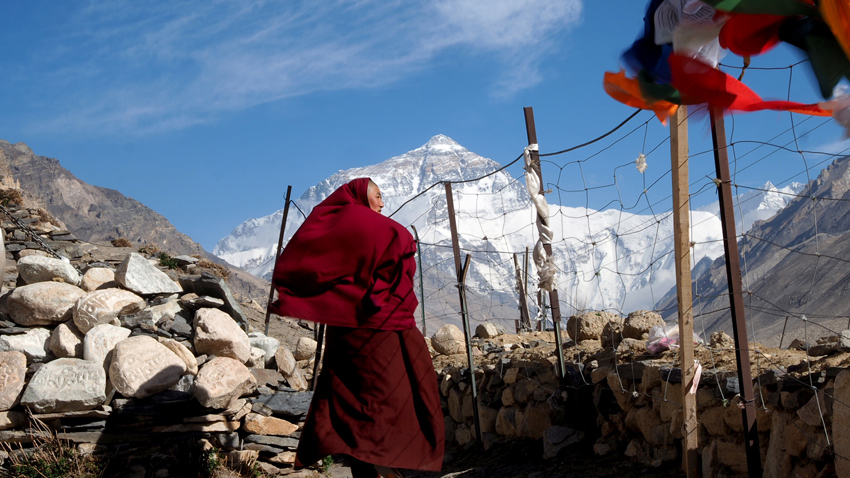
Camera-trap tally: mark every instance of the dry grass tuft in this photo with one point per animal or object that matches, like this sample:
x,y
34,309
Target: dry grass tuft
x,y
47,217
121,242
216,269
11,196
149,249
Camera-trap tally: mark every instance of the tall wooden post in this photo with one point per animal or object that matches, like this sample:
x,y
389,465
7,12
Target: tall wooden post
x,y
461,279
277,254
736,296
681,238
421,281
531,133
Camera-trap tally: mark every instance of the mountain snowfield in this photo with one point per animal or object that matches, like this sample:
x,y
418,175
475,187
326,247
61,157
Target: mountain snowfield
x,y
608,259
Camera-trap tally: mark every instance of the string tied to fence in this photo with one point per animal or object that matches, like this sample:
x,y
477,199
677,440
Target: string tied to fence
x,y
545,264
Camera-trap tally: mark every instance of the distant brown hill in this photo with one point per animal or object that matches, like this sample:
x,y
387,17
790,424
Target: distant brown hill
x,y
98,215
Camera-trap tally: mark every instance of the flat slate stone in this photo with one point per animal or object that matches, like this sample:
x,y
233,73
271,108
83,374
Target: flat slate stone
x,y
282,442
291,404
66,384
212,285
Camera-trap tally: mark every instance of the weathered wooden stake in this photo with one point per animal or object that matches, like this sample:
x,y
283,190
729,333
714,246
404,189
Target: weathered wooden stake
x,y
525,321
736,296
531,133
681,238
277,254
421,282
461,278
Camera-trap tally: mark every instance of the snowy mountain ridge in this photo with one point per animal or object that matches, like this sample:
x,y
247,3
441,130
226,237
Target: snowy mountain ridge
x,y
607,259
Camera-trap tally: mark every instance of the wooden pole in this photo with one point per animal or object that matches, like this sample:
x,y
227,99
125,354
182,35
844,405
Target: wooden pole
x,y
736,296
681,238
525,322
277,254
531,133
421,282
461,278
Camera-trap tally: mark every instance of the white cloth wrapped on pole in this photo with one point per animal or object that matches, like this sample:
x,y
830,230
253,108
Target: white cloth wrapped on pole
x,y
545,264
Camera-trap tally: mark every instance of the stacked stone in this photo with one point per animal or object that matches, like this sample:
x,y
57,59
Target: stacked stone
x,y
129,359
634,408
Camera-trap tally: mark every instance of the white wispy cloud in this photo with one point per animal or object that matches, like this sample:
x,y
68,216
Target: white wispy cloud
x,y
124,66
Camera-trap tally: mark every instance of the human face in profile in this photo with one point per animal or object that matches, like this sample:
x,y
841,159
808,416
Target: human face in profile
x,y
376,201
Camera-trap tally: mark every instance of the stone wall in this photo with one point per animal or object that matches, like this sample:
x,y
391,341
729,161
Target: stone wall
x,y
146,364
633,408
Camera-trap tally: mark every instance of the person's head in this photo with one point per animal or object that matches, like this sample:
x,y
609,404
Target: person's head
x,y
376,202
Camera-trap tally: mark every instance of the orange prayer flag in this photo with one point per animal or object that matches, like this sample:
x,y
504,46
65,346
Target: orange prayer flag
x,y
627,91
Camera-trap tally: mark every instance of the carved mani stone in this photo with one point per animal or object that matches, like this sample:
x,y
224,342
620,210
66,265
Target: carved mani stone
x,y
66,385
141,367
101,306
13,368
42,303
216,333
100,341
221,381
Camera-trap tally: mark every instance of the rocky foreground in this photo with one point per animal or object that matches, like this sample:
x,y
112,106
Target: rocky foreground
x,y
150,360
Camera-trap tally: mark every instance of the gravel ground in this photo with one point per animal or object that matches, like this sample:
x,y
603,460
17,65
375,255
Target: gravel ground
x,y
524,460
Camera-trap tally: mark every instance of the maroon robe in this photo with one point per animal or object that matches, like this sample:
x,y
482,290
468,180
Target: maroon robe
x,y
376,398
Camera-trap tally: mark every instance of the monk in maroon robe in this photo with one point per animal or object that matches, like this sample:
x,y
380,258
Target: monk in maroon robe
x,y
376,399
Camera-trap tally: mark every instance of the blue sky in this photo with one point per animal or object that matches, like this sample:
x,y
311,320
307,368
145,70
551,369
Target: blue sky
x,y
206,111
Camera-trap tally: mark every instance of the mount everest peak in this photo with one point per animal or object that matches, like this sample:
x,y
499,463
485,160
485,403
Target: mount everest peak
x,y
613,260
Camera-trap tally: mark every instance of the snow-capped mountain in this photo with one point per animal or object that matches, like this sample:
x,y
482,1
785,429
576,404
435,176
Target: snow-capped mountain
x,y
607,259
758,204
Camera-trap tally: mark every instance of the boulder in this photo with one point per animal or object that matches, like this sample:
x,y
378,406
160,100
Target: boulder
x,y
216,333
612,332
33,269
285,360
142,277
257,358
141,367
638,324
13,369
305,349
212,285
268,344
42,303
488,330
557,437
262,425
448,340
102,306
165,312
66,341
100,341
589,325
11,419
66,385
221,381
98,278
183,352
34,344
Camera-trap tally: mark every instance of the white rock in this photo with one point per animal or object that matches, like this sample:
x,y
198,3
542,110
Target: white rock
x,y
34,343
305,348
222,381
448,340
166,311
65,385
33,269
216,333
183,352
13,369
488,330
100,341
66,341
142,277
102,306
268,344
141,367
257,358
43,303
98,278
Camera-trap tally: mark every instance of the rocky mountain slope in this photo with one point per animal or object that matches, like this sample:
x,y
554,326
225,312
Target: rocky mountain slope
x,y
793,265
